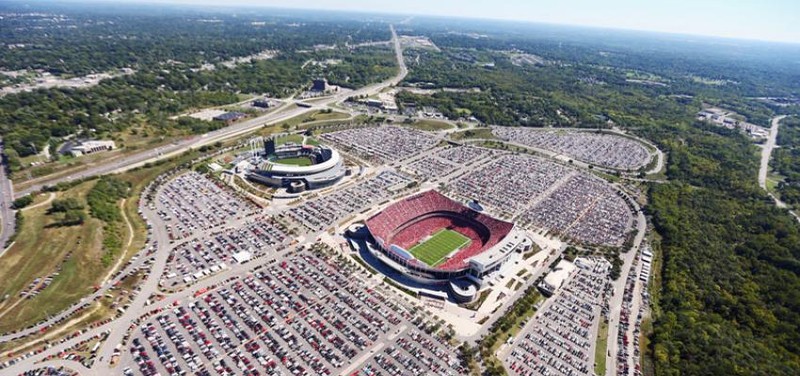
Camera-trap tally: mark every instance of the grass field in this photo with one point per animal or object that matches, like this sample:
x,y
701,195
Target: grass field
x,y
297,161
313,117
74,252
430,125
441,244
601,348
295,138
472,134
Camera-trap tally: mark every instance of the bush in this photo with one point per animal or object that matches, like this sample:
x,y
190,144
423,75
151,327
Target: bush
x,y
65,205
73,218
22,202
103,198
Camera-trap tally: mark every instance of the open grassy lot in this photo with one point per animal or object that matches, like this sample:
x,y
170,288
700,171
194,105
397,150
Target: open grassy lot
x,y
41,250
130,141
476,133
298,161
74,252
430,125
601,348
434,250
314,117
294,138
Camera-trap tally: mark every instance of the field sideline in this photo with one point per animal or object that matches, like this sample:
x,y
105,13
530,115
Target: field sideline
x,y
434,250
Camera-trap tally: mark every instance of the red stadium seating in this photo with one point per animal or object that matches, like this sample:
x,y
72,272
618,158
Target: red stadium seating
x,y
407,222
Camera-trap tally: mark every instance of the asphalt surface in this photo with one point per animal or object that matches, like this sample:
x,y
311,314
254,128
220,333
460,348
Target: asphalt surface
x,y
159,238
6,213
282,114
766,155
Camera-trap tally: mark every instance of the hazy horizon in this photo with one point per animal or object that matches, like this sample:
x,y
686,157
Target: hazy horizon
x,y
775,21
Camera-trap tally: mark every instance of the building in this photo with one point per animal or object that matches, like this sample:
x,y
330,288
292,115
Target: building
x,y
556,278
230,117
91,147
400,226
262,103
320,85
327,167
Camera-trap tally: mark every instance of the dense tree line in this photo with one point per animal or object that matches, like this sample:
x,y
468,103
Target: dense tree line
x,y
786,160
167,49
729,301
79,39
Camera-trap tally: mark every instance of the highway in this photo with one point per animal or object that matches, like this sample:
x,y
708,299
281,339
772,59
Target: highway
x,y
6,213
282,114
119,327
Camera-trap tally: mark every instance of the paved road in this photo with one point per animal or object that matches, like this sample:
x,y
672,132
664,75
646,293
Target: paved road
x,y
281,114
615,302
138,307
766,151
766,154
6,199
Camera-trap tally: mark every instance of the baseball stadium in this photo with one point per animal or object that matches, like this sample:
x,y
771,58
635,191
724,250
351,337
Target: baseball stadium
x,y
298,167
434,239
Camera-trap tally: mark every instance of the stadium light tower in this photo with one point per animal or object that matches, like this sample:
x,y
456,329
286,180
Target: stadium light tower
x,y
255,144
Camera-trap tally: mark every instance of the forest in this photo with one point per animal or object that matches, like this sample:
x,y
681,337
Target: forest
x,y
178,60
729,301
786,160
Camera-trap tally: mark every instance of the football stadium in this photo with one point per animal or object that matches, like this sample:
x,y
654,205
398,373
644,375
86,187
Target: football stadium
x,y
298,167
433,239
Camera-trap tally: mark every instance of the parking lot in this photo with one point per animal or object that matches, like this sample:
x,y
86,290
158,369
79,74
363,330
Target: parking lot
x,y
382,144
303,314
584,208
201,257
317,214
560,339
191,203
606,150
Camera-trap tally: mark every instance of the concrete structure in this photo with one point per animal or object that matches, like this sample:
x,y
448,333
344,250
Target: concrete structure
x,y
230,117
556,278
327,167
91,147
261,103
405,223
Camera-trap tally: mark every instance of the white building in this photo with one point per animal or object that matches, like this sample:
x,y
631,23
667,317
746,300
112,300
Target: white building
x,y
91,147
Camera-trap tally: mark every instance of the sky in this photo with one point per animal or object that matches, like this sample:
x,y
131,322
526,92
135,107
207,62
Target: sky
x,y
771,20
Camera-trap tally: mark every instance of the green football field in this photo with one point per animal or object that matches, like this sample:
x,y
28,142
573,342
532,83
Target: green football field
x,y
434,250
